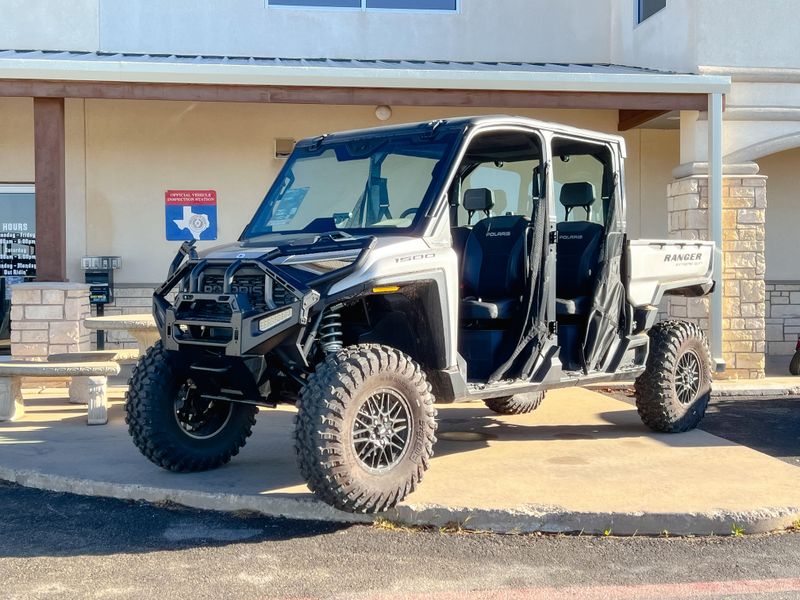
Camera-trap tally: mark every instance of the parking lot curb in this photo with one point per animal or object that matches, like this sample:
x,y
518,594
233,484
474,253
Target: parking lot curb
x,y
527,519
750,392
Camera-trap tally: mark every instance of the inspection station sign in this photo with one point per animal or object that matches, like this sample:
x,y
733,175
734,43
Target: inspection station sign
x,y
191,214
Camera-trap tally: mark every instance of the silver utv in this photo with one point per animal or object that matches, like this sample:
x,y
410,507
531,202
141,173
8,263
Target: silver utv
x,y
387,269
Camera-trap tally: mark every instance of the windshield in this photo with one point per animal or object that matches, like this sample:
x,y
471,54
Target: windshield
x,y
367,184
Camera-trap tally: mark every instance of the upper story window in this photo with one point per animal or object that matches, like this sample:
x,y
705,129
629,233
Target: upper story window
x,y
647,8
446,5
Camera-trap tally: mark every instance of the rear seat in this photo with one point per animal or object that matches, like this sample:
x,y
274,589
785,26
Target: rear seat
x,y
578,254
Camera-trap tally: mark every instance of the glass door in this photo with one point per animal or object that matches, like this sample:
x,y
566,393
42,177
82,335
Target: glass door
x,y
17,248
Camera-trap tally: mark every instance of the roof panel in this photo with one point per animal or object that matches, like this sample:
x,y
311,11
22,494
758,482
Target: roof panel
x,y
349,72
349,63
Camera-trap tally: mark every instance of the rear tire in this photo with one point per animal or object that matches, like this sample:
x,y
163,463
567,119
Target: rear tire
x,y
172,426
518,404
365,428
673,392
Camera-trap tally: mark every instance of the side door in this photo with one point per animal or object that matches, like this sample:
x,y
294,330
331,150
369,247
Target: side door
x,y
511,165
587,187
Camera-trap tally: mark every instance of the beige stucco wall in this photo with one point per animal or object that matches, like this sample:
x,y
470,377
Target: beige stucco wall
x,y
783,198
652,154
16,140
123,155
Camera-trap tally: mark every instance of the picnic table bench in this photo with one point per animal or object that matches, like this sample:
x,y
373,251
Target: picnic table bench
x,y
142,327
89,385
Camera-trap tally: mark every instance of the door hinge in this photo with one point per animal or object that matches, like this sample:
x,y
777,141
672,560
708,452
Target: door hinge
x,y
552,327
553,237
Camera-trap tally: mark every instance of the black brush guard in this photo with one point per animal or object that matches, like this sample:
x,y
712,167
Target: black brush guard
x,y
227,323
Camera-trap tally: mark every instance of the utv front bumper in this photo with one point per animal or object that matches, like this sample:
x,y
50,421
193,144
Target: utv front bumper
x,y
226,322
242,307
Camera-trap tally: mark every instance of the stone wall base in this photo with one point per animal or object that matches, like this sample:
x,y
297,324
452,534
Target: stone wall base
x,y
744,204
783,317
47,318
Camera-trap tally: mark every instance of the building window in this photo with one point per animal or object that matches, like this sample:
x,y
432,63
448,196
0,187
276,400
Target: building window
x,y
647,8
317,3
444,5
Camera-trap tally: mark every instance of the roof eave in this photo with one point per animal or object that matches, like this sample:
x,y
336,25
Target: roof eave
x,y
216,74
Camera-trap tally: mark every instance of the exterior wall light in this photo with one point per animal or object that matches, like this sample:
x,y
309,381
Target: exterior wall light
x,y
383,112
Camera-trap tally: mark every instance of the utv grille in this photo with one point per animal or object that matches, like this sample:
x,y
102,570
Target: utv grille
x,y
204,310
255,286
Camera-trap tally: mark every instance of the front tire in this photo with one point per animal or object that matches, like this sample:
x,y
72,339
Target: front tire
x,y
172,426
365,428
673,392
518,404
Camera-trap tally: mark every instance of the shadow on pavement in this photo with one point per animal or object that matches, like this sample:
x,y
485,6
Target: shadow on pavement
x,y
467,429
769,425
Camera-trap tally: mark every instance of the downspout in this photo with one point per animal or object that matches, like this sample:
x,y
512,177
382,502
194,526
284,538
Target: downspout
x,y
715,202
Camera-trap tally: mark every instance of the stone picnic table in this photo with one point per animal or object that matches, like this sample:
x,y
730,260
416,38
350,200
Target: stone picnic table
x,y
141,326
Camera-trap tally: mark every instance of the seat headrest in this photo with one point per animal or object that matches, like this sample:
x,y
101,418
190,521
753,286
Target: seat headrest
x,y
478,199
577,194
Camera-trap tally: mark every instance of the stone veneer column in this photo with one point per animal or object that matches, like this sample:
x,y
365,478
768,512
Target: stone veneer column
x,y
744,202
47,317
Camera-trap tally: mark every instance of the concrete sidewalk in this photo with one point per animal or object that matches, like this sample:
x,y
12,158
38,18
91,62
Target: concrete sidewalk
x,y
778,382
582,462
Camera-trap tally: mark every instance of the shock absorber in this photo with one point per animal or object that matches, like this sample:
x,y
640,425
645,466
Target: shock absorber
x,y
330,331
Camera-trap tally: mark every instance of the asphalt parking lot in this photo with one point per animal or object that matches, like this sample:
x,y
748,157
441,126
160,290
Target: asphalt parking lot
x,y
64,546
768,424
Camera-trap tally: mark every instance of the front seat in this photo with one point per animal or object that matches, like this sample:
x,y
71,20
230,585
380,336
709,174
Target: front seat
x,y
578,252
493,270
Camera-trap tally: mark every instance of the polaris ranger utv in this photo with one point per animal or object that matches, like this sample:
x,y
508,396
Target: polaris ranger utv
x,y
473,258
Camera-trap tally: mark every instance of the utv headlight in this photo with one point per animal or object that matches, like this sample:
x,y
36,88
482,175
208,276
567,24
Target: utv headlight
x,y
274,319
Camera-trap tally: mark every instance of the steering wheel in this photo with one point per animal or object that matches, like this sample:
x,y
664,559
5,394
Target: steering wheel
x,y
408,212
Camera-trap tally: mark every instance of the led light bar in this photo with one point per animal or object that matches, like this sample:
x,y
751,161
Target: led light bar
x,y
274,319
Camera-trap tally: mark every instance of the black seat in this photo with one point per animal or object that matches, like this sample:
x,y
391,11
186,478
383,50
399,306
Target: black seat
x,y
460,236
493,270
578,253
476,197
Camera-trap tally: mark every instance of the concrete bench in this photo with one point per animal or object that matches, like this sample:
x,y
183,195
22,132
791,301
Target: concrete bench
x,y
123,355
89,385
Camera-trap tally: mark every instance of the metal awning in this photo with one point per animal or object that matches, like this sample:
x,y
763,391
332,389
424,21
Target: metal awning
x,y
329,72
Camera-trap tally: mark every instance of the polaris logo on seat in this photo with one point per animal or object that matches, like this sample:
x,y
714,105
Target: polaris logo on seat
x,y
682,257
498,234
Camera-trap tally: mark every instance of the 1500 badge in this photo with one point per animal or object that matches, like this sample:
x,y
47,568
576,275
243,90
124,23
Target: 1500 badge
x,y
403,259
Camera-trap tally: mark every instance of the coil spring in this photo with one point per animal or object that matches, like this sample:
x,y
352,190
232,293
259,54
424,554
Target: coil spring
x,y
330,331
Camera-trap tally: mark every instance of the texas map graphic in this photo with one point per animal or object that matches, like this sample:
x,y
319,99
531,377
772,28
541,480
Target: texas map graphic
x,y
191,214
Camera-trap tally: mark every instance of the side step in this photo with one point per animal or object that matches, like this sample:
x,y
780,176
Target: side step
x,y
479,391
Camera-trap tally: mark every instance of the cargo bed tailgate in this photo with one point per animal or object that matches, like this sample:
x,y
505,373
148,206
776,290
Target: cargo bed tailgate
x,y
658,267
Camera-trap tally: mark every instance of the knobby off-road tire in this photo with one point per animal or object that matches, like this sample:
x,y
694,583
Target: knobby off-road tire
x,y
356,400
518,404
673,392
159,395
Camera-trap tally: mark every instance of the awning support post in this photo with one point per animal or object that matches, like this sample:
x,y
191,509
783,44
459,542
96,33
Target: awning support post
x,y
715,206
51,209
